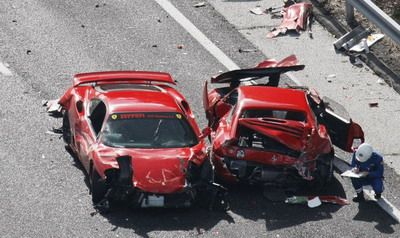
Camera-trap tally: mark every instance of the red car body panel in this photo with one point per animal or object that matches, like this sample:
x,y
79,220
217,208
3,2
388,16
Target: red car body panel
x,y
122,76
160,171
296,141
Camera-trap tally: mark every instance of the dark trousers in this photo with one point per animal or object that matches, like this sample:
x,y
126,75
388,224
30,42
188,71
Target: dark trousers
x,y
375,183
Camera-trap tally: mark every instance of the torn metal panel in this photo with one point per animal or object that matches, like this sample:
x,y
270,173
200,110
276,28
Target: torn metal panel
x,y
295,17
351,38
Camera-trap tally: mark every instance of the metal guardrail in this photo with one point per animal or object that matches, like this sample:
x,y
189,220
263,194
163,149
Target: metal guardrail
x,y
375,15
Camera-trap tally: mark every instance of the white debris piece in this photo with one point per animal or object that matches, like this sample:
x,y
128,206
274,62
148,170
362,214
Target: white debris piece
x,y
370,40
330,77
200,4
256,11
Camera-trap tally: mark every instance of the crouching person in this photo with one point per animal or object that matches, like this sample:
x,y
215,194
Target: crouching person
x,y
370,164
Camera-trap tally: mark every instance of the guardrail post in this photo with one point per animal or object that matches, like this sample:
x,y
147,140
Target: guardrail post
x,y
350,14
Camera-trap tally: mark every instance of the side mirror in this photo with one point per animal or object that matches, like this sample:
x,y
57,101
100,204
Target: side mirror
x,y
205,132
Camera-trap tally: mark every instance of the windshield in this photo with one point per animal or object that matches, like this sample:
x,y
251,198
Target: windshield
x,y
148,130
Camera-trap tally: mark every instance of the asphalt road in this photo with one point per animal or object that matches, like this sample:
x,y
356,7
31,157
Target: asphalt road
x,y
43,191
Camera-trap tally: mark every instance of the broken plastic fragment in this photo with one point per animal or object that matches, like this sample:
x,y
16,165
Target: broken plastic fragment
x,y
330,77
381,81
366,43
373,104
247,50
296,200
256,11
200,4
314,202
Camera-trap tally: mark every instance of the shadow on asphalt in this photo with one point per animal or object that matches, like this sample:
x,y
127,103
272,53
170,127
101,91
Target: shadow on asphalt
x,y
193,221
251,204
247,202
371,212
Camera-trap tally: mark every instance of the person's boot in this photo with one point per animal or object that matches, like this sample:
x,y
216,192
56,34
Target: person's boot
x,y
378,196
359,197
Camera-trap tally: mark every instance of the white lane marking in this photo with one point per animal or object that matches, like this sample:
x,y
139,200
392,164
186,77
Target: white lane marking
x,y
203,39
294,79
384,204
197,34
4,70
228,63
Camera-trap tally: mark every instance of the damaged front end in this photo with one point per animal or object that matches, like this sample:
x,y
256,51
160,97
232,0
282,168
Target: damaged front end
x,y
197,190
272,152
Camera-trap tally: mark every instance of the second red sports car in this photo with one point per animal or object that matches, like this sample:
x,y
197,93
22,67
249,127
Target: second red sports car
x,y
266,134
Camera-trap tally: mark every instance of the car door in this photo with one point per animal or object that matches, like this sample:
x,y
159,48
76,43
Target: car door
x,y
90,125
342,130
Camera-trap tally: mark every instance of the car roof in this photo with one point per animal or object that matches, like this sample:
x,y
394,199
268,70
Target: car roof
x,y
127,100
253,97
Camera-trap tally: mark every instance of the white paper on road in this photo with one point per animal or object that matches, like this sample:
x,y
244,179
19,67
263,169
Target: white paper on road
x,y
351,174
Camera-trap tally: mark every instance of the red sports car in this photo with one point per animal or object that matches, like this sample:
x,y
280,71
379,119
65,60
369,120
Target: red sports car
x,y
137,138
262,133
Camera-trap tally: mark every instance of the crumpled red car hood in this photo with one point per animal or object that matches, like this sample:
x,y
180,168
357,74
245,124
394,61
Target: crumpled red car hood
x,y
292,134
160,171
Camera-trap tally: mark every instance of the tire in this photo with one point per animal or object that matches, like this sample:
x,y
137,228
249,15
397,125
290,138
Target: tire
x,y
98,187
67,135
325,169
323,175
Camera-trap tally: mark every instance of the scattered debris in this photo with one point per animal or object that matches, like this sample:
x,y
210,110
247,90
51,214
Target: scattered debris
x,y
273,10
257,11
380,81
28,52
55,131
373,104
247,50
356,61
350,39
179,47
295,17
330,77
100,5
366,43
312,201
200,4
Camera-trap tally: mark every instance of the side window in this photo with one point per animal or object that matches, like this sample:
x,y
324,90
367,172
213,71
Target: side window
x,y
97,113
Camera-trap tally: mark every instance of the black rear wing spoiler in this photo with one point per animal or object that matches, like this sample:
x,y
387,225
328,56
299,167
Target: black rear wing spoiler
x,y
242,75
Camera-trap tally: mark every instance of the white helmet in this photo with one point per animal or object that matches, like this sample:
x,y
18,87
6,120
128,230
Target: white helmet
x,y
364,152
